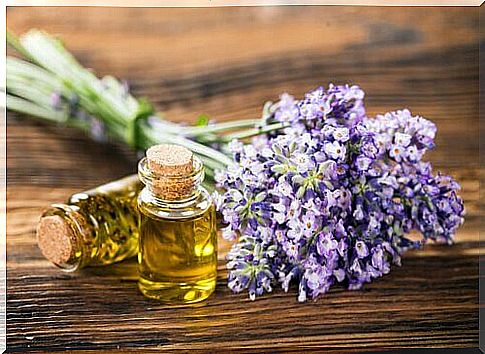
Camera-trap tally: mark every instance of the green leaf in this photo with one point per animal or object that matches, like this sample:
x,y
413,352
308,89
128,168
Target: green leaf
x,y
300,192
298,179
277,149
260,197
266,110
202,120
324,166
281,169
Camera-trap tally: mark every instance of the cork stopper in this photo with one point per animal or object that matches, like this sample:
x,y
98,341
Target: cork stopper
x,y
173,166
56,239
170,160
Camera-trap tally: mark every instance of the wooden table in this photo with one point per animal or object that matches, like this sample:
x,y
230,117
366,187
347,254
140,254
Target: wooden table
x,y
226,62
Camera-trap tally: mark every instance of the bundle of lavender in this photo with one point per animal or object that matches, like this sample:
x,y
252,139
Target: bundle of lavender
x,y
50,84
322,195
332,199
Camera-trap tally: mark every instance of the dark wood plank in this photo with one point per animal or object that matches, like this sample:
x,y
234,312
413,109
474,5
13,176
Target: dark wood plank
x,y
226,62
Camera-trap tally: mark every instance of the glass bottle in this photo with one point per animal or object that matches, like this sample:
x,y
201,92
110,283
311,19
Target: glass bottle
x,y
95,227
177,260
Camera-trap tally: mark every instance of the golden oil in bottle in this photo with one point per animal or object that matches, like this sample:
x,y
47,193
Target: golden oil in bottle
x,y
178,240
95,227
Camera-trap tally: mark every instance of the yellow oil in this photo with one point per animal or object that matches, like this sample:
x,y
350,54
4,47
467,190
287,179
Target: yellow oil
x,y
110,227
178,257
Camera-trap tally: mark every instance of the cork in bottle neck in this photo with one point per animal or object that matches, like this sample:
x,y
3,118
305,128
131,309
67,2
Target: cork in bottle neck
x,y
58,237
171,172
170,160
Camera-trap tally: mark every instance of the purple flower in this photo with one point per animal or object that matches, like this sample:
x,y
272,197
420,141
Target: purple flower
x,y
398,152
339,274
361,249
402,139
335,150
303,162
291,249
56,100
235,146
309,110
413,153
287,109
309,224
341,134
358,213
98,130
363,163
285,189
369,149
280,210
332,198
325,244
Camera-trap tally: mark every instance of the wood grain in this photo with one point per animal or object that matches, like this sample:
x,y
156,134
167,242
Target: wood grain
x,y
226,62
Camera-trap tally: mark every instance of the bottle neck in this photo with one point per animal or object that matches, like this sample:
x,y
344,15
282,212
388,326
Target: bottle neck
x,y
64,237
172,190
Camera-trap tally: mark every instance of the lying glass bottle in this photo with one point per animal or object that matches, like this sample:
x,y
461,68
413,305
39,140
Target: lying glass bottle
x,y
93,228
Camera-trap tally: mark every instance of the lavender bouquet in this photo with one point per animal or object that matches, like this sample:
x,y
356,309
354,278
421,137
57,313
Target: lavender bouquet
x,y
51,85
322,195
333,197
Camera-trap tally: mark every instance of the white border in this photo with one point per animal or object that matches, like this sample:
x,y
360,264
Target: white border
x,y
218,3
3,186
138,3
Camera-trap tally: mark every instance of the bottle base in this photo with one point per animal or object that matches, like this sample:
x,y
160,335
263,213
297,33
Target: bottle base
x,y
178,293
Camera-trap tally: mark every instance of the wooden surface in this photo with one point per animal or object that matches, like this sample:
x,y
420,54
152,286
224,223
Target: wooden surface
x,y
226,62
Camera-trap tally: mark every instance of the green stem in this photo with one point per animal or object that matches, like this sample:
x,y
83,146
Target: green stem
x,y
253,132
155,135
219,127
27,107
197,131
15,43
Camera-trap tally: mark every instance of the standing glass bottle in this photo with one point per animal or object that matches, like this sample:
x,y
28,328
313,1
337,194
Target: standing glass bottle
x,y
178,239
